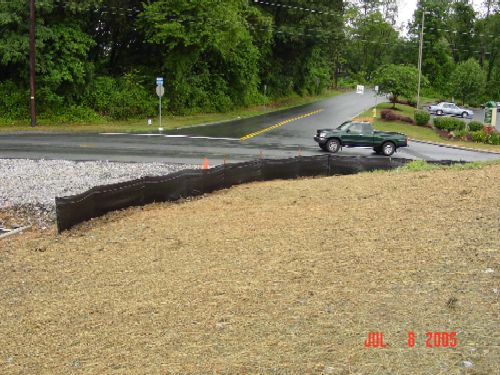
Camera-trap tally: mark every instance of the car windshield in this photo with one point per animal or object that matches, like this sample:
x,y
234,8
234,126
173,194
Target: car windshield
x,y
344,125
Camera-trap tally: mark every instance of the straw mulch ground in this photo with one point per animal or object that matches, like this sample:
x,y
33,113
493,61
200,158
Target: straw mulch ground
x,y
278,277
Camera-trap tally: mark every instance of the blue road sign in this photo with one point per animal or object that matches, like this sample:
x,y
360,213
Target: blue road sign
x,y
159,81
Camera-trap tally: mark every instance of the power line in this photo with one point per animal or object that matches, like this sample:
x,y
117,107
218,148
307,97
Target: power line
x,y
310,32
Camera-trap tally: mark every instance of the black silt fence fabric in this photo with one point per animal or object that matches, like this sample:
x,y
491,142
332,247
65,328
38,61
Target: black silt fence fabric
x,y
100,200
241,173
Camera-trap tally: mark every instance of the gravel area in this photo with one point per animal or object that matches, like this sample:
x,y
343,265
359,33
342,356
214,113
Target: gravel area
x,y
28,187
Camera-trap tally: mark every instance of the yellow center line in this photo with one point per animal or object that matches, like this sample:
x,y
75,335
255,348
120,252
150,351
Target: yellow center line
x,y
279,124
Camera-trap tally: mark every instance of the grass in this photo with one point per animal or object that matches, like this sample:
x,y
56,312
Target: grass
x,y
168,122
422,165
418,133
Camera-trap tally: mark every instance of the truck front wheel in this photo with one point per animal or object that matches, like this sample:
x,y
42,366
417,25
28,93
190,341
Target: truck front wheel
x,y
333,145
388,148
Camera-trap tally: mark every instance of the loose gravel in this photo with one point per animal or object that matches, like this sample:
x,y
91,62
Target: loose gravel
x,y
28,187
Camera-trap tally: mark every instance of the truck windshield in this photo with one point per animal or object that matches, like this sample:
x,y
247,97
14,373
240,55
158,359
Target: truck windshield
x,y
344,125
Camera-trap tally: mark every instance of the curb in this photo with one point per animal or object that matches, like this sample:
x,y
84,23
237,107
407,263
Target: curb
x,y
455,147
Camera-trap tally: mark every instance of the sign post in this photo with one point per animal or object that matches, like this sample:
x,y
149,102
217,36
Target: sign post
x,y
160,91
360,89
375,108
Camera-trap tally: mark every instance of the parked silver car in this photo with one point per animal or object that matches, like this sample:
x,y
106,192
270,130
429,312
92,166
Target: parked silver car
x,y
445,108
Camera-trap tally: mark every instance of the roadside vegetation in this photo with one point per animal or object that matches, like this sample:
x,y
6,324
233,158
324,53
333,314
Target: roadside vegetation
x,y
169,121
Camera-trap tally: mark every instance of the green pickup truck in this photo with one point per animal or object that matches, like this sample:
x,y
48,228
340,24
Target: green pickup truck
x,y
360,134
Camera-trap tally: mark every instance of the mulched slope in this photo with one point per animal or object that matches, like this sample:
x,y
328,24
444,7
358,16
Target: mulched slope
x,y
277,277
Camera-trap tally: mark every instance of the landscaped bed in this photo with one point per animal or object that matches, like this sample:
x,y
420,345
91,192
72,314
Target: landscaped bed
x,y
275,277
444,130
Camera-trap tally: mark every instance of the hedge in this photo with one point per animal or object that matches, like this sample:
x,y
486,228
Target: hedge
x,y
448,123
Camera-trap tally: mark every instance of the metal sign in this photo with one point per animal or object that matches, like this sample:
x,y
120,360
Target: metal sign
x,y
159,81
160,91
488,116
376,88
360,89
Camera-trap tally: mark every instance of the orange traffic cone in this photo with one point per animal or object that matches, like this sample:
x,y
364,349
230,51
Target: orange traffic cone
x,y
205,163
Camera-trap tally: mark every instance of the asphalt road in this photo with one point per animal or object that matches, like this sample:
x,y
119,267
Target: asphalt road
x,y
281,134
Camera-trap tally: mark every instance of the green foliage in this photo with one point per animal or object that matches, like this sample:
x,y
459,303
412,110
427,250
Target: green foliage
x,y
480,136
217,55
468,80
209,65
14,102
397,80
418,166
448,123
494,138
461,134
422,166
422,117
484,137
364,53
474,126
120,98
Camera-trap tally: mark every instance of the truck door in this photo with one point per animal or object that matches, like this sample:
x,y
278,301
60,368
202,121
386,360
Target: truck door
x,y
367,135
353,135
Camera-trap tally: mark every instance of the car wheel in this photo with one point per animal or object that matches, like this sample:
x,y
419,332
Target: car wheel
x,y
333,145
439,112
388,148
464,114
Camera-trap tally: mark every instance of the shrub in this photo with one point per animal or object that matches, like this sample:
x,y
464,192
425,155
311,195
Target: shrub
x,y
495,138
444,134
480,136
461,134
489,129
475,126
388,115
412,103
422,117
14,102
119,98
448,123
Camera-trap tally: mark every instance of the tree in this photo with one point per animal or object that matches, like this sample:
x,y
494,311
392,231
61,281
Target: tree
x,y
468,80
398,81
208,54
372,44
437,62
462,39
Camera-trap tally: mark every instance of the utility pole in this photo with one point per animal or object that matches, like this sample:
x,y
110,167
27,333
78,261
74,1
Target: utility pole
x,y
32,48
420,52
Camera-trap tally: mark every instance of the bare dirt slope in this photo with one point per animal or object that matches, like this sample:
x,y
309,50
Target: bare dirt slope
x,y
278,277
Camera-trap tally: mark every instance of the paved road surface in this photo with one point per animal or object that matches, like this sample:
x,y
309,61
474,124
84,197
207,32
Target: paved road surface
x,y
276,135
